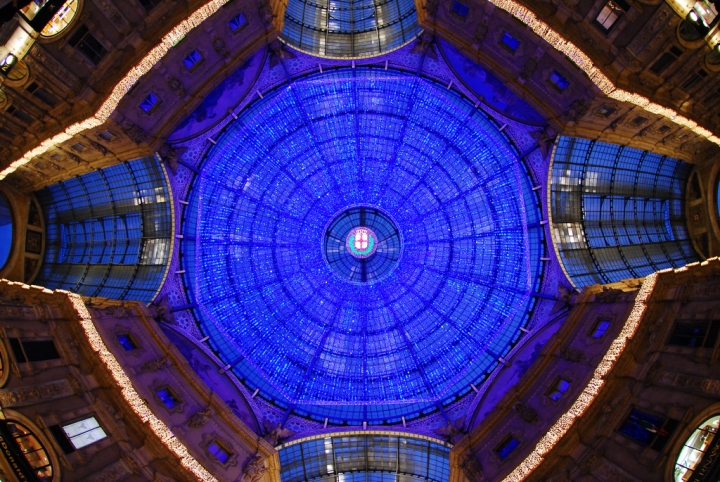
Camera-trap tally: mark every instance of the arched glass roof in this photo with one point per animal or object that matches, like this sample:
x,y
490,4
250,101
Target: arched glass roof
x,y
617,212
365,458
109,232
349,28
415,338
6,231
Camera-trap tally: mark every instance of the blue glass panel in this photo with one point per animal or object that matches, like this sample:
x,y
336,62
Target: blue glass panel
x,y
350,28
237,22
365,458
559,81
642,427
506,448
192,60
460,9
167,398
108,232
319,159
6,231
150,102
510,42
617,211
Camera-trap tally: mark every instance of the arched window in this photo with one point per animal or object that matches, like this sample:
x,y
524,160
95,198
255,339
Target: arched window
x,y
696,461
59,22
36,455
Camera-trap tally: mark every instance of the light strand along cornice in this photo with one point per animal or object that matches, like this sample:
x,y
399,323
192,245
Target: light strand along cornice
x,y
123,382
601,81
107,108
523,14
592,389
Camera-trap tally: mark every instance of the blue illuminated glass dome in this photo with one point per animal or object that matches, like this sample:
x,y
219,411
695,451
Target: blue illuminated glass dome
x,y
450,283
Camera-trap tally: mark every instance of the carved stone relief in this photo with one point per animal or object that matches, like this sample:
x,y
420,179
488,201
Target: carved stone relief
x,y
33,394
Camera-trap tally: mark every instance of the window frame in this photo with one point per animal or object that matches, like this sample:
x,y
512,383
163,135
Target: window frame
x,y
654,442
601,24
22,349
598,321
554,388
712,325
70,438
179,404
506,441
81,39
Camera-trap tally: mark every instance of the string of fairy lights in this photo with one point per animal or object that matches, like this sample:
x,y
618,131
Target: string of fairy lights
x,y
131,396
579,58
591,391
122,87
523,14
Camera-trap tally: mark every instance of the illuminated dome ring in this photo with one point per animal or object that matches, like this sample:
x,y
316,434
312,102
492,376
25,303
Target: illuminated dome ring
x,y
411,340
362,244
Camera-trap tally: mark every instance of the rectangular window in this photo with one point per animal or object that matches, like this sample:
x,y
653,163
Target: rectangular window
x,y
167,397
84,432
18,114
601,326
192,60
693,80
7,133
647,429
150,102
126,341
219,452
460,9
510,42
78,147
107,136
237,22
557,80
665,60
558,389
639,120
712,97
695,333
61,439
33,350
149,4
88,45
42,94
611,13
605,111
663,129
506,447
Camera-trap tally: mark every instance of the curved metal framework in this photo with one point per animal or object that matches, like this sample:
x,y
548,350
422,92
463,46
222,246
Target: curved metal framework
x,y
6,230
410,342
349,28
109,232
617,212
365,458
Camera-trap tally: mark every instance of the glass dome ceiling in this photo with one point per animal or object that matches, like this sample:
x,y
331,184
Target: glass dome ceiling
x,y
413,156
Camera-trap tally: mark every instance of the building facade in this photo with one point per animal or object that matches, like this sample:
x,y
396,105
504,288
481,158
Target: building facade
x,y
441,240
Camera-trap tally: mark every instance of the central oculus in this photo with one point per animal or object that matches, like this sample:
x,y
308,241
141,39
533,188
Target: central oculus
x,y
361,242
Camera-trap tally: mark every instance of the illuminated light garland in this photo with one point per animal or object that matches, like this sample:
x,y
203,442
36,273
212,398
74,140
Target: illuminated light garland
x,y
131,396
121,88
581,59
523,14
592,389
